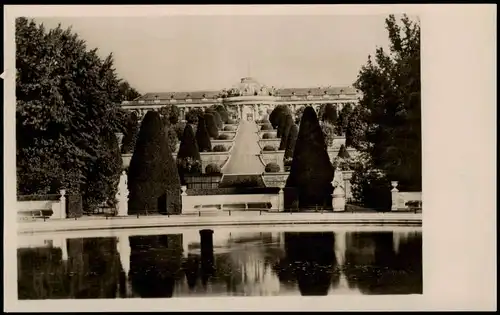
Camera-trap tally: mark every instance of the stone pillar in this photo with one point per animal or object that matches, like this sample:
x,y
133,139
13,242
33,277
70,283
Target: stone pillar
x,y
184,201
394,196
122,196
62,203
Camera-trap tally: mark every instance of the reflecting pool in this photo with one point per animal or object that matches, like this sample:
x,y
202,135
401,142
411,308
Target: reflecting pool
x,y
234,261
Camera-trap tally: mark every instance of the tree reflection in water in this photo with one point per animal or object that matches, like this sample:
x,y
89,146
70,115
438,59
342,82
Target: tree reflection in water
x,y
375,267
155,264
310,260
91,271
242,264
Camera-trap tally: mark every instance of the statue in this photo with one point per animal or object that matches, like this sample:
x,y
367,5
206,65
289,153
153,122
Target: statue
x,y
122,195
338,179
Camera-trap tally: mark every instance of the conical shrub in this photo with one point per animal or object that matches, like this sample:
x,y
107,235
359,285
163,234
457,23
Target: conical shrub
x,y
213,132
153,180
202,136
188,157
311,171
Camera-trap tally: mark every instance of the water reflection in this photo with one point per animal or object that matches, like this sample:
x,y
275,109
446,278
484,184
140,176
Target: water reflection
x,y
212,263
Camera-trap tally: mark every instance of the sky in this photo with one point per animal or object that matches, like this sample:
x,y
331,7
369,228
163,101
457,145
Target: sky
x,y
207,52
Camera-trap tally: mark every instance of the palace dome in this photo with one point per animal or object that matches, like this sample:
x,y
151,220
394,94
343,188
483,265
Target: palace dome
x,y
248,86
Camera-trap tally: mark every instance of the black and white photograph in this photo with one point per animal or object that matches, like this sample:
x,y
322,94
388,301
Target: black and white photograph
x,y
224,156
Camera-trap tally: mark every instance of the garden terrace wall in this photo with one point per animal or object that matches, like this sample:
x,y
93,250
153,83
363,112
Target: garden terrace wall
x,y
333,152
273,132
272,142
202,200
126,159
277,179
57,206
267,157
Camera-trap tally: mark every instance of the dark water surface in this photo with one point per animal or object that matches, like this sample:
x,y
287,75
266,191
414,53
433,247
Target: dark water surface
x,y
235,262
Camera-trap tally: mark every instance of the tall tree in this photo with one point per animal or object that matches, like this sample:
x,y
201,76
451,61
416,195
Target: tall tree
x,y
342,120
188,157
202,136
67,98
170,114
290,144
277,113
130,136
153,180
330,114
311,171
390,105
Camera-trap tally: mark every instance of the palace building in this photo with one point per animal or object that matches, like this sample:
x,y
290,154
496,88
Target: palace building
x,y
248,100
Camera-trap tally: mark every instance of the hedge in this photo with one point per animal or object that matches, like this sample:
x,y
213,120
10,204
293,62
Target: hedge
x,y
285,131
212,169
219,148
266,127
268,136
230,128
269,148
272,168
188,157
291,140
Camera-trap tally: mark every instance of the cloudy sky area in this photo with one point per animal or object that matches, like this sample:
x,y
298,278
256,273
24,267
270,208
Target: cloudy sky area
x,y
182,53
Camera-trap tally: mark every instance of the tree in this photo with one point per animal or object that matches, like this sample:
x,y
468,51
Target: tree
x,y
193,114
130,136
127,92
202,136
188,157
224,115
343,152
217,119
330,114
170,114
287,125
283,124
290,144
153,180
342,120
390,105
67,105
311,171
277,113
211,126
103,186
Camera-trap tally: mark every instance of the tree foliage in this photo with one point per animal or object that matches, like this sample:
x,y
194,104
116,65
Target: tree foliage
x,y
329,114
287,125
202,136
130,135
67,106
389,114
224,115
153,180
213,132
127,92
290,144
170,114
343,119
188,157
171,137
311,171
193,114
277,113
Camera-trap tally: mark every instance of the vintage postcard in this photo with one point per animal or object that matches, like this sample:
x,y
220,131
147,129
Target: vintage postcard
x,y
238,158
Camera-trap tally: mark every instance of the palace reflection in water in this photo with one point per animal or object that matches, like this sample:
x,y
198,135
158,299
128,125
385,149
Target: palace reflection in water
x,y
207,263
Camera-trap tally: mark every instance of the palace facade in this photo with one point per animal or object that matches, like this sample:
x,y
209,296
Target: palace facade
x,y
249,99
